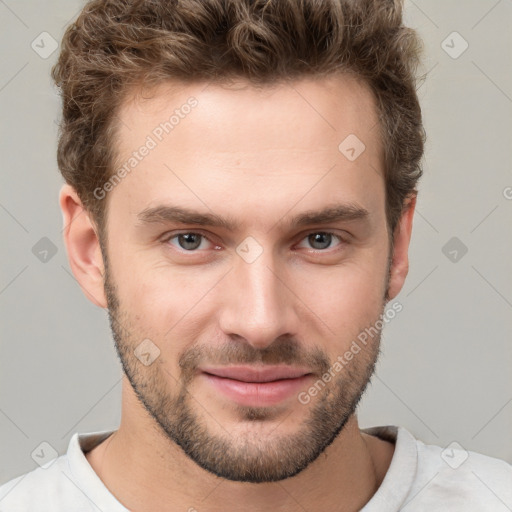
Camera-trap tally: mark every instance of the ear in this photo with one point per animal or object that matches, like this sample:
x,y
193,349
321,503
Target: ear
x,y
82,245
400,262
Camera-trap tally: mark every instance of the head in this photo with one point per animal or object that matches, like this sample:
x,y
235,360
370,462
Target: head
x,y
241,180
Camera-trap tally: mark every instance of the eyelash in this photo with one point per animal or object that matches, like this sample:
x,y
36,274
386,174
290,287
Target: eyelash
x,y
169,237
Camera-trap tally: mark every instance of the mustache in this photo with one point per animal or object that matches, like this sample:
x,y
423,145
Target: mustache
x,y
285,351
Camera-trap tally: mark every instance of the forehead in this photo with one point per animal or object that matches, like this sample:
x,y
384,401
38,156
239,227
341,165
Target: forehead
x,y
327,108
239,147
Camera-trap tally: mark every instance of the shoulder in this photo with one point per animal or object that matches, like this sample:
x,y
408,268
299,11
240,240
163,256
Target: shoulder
x,y
423,477
461,478
66,483
38,488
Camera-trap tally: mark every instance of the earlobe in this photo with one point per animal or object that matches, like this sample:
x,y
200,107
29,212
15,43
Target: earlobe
x,y
400,260
82,245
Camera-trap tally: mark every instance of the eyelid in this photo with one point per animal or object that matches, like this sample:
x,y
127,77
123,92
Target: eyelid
x,y
170,235
342,239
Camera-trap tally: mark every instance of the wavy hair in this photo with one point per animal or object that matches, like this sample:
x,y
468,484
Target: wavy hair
x,y
115,46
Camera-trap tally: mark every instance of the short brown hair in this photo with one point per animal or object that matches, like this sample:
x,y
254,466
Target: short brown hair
x,y
115,46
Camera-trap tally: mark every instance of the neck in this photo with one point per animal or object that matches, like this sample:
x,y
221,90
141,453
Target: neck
x,y
144,470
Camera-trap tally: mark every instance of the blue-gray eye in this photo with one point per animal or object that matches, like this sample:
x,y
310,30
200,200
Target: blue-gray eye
x,y
188,241
321,240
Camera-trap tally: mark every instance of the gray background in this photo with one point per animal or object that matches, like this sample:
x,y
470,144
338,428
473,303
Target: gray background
x,y
445,373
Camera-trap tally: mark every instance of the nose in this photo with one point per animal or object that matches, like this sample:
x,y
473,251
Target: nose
x,y
257,303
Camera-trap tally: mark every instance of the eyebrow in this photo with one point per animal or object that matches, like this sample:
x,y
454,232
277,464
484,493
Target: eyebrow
x,y
329,214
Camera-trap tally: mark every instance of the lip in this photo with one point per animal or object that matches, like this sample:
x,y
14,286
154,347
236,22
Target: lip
x,y
257,386
256,373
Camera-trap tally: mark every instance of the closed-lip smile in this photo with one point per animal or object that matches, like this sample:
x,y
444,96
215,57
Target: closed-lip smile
x,y
256,374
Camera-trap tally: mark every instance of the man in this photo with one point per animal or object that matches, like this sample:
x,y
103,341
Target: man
x,y
241,184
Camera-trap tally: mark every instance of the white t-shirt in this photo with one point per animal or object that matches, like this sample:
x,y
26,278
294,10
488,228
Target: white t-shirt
x,y
421,477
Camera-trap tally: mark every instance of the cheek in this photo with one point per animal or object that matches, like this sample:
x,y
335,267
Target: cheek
x,y
357,280
156,299
165,304
347,297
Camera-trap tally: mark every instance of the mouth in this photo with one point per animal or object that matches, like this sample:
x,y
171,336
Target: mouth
x,y
256,374
257,386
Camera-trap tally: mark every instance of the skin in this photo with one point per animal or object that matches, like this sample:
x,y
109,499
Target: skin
x,y
260,157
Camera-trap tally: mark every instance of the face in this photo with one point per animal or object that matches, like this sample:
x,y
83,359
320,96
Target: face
x,y
246,252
